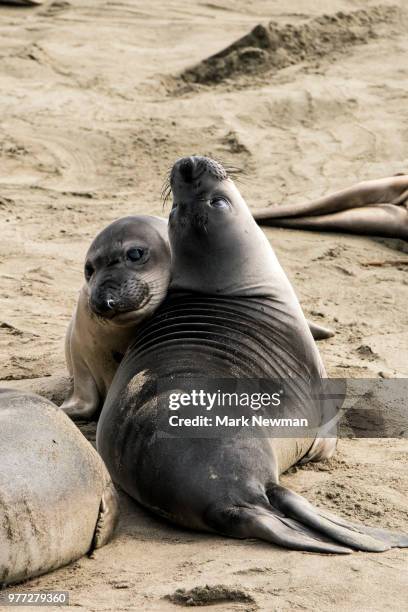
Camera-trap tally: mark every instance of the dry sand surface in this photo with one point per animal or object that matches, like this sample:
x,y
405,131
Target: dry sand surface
x,y
97,100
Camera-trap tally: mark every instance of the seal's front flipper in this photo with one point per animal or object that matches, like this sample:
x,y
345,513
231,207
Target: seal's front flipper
x,y
107,518
84,400
319,332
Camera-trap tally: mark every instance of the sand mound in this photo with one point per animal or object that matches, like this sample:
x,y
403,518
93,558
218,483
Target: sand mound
x,y
209,595
273,47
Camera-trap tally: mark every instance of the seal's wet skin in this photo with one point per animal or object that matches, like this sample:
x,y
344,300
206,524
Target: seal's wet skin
x,y
127,272
57,501
376,208
231,313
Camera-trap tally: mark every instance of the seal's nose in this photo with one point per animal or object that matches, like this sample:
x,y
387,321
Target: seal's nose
x,y
186,167
189,170
104,307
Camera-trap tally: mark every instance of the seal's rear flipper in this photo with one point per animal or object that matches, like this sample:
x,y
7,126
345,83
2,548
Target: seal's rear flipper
x,y
107,518
379,220
292,522
271,526
331,527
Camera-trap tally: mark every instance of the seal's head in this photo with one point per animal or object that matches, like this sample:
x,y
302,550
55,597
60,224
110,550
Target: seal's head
x,y
127,270
217,247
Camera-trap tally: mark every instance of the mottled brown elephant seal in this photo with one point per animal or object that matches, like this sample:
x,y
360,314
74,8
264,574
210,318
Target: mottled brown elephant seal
x,y
377,208
231,314
127,272
57,501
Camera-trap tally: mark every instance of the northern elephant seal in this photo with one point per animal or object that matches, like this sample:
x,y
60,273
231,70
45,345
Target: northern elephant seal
x,y
231,313
57,501
22,2
127,271
377,208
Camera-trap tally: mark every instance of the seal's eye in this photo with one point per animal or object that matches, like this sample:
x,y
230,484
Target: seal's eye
x,y
89,270
136,254
219,202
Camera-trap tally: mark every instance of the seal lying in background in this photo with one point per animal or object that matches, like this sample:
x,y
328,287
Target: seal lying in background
x,y
22,2
127,273
231,313
57,501
377,208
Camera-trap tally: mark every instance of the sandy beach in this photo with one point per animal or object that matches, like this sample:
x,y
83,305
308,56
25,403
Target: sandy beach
x,y
97,100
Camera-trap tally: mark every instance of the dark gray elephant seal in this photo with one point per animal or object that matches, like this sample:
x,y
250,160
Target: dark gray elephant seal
x,y
22,2
231,313
376,208
57,501
127,272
